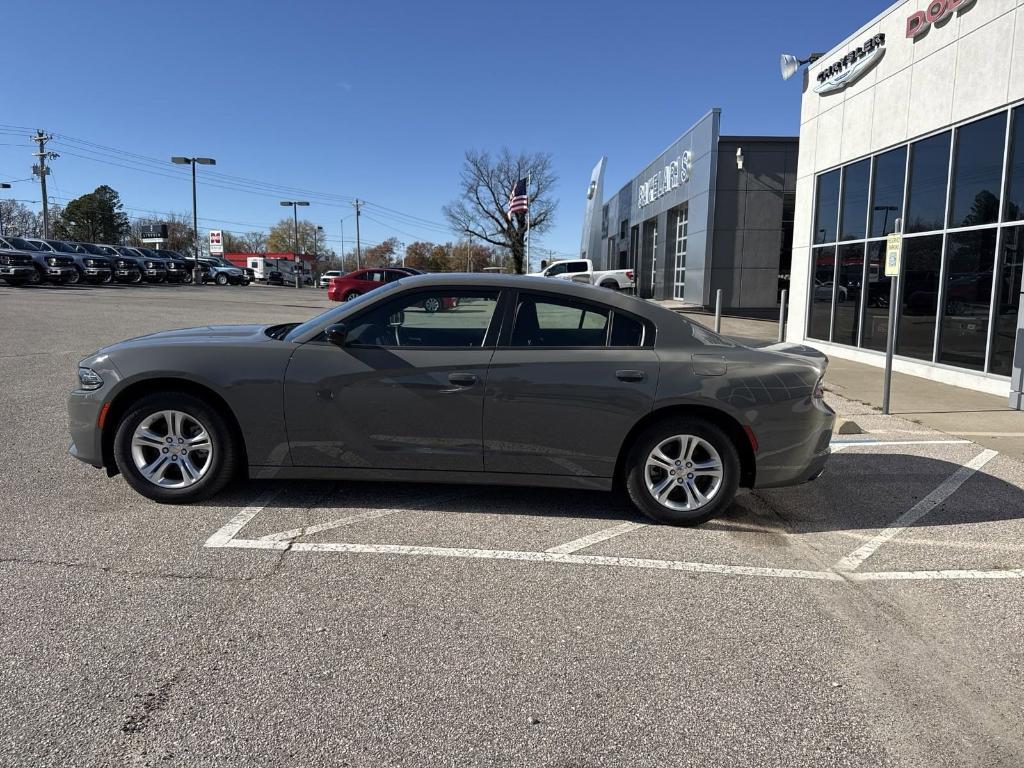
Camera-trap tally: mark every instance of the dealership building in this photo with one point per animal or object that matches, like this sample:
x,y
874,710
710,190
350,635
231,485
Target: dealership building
x,y
915,121
709,213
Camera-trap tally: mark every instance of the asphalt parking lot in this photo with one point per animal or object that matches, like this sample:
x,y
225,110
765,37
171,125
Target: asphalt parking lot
x,y
873,617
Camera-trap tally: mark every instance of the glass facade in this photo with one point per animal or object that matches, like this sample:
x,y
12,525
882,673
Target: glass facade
x,y
960,195
682,222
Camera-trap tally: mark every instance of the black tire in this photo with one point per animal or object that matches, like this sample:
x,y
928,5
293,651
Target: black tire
x,y
352,295
74,278
36,278
136,278
653,436
225,453
221,279
107,278
611,285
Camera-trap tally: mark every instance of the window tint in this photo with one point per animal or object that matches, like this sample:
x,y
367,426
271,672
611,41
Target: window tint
x,y
426,319
626,332
576,266
543,322
977,172
929,171
557,269
1015,171
877,290
970,257
855,200
819,320
915,333
851,274
1011,266
826,207
887,200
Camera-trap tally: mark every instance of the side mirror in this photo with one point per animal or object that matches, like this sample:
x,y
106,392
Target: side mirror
x,y
336,334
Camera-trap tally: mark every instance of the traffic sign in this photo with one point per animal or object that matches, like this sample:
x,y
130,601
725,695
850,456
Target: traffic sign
x,y
893,249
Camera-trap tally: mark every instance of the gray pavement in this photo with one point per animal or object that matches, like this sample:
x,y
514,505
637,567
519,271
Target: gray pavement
x,y
870,618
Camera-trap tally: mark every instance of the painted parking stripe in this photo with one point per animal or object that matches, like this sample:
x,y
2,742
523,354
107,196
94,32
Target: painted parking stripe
x,y
946,575
341,522
595,538
229,531
948,487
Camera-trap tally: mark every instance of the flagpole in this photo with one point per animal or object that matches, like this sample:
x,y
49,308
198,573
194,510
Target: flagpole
x,y
528,238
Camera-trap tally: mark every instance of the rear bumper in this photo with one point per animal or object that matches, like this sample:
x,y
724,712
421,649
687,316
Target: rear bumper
x,y
798,451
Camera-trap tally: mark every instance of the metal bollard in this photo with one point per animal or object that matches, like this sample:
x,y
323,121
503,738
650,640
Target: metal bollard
x,y
782,314
718,311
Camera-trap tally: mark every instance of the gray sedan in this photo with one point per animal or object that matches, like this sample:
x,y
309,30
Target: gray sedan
x,y
517,381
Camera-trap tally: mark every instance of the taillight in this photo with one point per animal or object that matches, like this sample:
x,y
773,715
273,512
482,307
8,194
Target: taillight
x,y
629,274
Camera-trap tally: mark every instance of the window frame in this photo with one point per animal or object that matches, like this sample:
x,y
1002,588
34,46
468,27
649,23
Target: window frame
x,y
647,340
491,334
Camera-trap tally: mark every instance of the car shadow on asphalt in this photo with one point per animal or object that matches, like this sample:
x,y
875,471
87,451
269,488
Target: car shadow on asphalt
x,y
857,491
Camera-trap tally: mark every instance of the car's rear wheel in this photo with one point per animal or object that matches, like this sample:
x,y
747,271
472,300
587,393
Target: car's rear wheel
x,y
173,447
610,285
682,471
352,295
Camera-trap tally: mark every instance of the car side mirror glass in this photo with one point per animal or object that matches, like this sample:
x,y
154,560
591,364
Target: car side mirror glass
x,y
336,334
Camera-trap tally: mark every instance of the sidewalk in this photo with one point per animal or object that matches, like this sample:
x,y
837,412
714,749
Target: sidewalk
x,y
981,418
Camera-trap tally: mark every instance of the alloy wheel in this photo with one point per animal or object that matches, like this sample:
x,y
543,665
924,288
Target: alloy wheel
x,y
684,473
172,449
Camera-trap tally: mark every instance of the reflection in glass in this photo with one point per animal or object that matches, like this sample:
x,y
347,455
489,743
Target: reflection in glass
x,y
926,195
855,200
826,208
978,172
1015,171
877,291
1011,265
819,317
851,275
887,200
970,258
919,296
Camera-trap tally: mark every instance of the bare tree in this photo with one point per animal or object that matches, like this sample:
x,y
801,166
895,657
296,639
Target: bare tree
x,y
487,184
17,219
254,242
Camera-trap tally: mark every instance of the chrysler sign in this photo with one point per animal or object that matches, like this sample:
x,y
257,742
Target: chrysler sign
x,y
668,178
852,66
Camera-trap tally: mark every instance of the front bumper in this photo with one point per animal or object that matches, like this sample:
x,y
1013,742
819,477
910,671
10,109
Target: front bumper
x,y
86,437
18,273
97,274
154,275
58,274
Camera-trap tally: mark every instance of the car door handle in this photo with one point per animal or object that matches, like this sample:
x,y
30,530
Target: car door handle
x,y
462,379
628,375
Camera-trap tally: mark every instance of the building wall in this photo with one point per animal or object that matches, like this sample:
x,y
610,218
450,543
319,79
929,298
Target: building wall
x,y
970,64
753,219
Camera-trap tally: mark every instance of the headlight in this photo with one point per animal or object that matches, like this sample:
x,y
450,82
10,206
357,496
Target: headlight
x,y
150,265
52,261
88,379
92,263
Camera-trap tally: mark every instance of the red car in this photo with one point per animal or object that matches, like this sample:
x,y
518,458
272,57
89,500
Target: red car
x,y
347,287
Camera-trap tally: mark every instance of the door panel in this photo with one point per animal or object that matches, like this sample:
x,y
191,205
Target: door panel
x,y
395,408
564,411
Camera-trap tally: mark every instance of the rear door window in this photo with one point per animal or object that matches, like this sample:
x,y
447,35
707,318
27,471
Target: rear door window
x,y
549,322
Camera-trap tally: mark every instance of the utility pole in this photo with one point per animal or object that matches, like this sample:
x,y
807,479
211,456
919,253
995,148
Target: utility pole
x,y
41,171
359,253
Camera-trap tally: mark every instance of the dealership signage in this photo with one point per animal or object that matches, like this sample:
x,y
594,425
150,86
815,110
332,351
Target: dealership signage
x,y
216,242
937,10
153,233
664,181
852,66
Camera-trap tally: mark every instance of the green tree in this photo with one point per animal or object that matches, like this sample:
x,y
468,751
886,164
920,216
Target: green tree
x,y
97,217
481,211
282,238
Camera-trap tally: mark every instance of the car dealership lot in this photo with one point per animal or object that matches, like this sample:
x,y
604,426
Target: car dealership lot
x,y
307,623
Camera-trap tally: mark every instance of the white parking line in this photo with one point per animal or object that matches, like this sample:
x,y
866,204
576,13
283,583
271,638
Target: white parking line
x,y
1016,573
229,531
595,538
295,533
949,486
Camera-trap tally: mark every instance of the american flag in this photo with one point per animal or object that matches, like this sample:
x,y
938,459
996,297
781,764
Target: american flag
x,y
518,201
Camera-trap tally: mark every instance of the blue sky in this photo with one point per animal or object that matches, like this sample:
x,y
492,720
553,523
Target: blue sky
x,y
380,99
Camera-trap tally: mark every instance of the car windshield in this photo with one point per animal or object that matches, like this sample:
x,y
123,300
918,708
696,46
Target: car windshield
x,y
23,244
60,245
326,318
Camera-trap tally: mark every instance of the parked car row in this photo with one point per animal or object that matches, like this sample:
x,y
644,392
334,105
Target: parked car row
x,y
31,261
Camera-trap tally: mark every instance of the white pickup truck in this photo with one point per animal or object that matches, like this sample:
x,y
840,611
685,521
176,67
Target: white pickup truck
x,y
582,271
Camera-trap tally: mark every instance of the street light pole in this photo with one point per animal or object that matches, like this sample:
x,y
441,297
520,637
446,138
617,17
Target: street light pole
x,y
193,161
295,216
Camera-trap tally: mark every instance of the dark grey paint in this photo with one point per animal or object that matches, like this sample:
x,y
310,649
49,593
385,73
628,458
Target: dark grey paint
x,y
546,416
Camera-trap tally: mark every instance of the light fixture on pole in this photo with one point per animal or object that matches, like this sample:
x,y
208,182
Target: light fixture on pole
x,y
295,217
790,64
194,161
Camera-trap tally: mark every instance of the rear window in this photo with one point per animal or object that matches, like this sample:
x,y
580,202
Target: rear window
x,y
544,322
626,332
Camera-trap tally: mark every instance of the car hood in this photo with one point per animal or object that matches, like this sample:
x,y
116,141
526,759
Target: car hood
x,y
205,335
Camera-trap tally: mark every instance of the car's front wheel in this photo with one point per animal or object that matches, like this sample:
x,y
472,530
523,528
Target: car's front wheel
x,y
172,447
683,471
221,279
